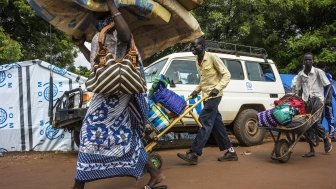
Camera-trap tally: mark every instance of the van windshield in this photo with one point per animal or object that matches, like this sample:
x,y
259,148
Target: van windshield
x,y
154,70
183,72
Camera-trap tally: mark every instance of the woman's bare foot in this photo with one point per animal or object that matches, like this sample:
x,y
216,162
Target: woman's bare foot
x,y
156,176
156,179
78,185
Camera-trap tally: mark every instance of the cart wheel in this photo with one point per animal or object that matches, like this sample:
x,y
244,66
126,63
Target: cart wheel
x,y
155,159
281,148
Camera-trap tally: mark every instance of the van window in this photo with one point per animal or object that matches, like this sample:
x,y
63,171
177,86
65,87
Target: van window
x,y
235,68
154,70
259,71
183,72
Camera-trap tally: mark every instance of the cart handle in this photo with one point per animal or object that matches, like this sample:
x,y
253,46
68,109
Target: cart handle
x,y
202,99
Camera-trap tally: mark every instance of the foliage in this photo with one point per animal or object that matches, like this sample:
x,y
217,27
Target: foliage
x,y
286,29
25,36
10,50
3,3
81,70
176,48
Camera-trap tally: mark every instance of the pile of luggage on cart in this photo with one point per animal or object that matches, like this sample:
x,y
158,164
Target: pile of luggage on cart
x,y
166,109
290,119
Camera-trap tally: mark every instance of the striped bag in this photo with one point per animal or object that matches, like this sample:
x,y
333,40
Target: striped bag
x,y
111,77
157,118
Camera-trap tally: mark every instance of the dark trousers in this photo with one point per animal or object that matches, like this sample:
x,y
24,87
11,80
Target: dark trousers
x,y
314,132
317,129
212,122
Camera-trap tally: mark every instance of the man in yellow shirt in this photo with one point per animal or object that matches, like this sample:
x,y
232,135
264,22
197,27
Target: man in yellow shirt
x,y
214,77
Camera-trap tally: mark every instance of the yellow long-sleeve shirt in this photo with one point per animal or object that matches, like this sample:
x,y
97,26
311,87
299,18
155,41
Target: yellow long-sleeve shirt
x,y
213,74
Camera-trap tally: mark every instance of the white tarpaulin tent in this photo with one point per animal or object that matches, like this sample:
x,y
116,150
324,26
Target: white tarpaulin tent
x,y
24,101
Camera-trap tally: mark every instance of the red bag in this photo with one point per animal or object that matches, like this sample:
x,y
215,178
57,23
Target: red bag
x,y
294,101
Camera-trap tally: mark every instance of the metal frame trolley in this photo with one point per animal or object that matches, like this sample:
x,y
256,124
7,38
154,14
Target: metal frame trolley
x,y
154,157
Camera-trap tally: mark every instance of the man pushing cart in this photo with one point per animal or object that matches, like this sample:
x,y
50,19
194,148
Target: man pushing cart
x,y
310,85
312,80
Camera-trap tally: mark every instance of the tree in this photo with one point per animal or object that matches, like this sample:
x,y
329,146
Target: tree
x,y
3,3
10,50
25,36
81,70
286,29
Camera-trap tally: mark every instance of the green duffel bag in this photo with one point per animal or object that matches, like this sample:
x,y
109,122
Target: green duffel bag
x,y
284,113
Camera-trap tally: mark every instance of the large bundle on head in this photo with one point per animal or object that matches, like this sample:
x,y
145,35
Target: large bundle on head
x,y
155,24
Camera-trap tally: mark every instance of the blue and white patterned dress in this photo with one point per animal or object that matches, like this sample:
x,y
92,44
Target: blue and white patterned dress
x,y
110,136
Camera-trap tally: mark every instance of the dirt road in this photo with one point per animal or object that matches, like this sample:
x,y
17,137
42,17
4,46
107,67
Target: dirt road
x,y
254,170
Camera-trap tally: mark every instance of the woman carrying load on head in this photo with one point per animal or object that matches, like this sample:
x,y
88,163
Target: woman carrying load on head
x,y
110,139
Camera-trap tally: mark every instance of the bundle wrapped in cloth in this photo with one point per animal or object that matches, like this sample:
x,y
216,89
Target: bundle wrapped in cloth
x,y
282,114
169,100
155,25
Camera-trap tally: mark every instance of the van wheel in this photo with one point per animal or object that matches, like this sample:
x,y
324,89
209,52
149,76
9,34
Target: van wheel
x,y
246,130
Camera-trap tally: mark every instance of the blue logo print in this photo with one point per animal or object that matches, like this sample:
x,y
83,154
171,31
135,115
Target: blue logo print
x,y
3,150
3,82
6,118
3,117
47,89
58,70
248,85
9,66
50,132
2,78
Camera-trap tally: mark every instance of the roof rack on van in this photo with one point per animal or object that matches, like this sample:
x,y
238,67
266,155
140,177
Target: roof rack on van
x,y
235,49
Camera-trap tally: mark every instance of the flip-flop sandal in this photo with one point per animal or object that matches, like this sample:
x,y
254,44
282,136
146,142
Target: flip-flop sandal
x,y
156,187
160,187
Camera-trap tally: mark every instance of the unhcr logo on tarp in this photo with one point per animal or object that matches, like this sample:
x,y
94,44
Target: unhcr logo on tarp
x,y
2,78
45,88
50,132
58,70
4,81
6,67
4,117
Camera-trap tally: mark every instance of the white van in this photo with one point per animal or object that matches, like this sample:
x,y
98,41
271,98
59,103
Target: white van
x,y
255,84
